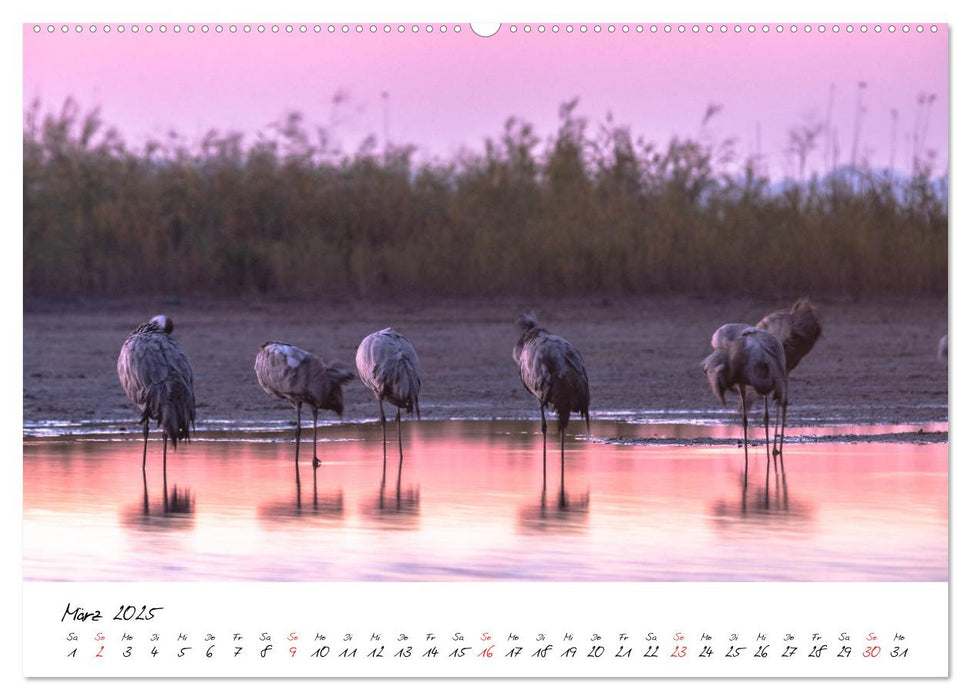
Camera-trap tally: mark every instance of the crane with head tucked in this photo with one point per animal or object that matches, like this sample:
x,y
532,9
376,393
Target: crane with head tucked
x,y
748,357
553,371
156,375
288,372
388,365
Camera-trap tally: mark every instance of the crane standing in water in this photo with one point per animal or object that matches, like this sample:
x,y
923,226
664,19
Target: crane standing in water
x,y
748,357
156,375
388,365
552,370
288,372
798,328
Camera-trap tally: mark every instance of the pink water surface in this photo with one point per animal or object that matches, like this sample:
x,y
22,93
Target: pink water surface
x,y
469,505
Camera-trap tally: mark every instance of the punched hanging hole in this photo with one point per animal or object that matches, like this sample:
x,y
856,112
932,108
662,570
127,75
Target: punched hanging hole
x,y
485,29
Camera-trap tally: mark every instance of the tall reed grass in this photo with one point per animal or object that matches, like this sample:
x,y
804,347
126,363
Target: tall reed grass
x,y
585,211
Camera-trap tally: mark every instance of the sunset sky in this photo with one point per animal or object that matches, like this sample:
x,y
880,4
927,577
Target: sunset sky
x,y
452,90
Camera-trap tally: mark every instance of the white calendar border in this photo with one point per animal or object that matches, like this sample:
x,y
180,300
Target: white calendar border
x,y
603,10
487,629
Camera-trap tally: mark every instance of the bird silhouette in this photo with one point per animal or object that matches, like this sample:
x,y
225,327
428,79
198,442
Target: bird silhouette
x,y
288,372
388,365
552,370
753,358
156,375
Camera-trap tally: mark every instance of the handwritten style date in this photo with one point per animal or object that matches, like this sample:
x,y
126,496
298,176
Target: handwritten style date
x,y
125,613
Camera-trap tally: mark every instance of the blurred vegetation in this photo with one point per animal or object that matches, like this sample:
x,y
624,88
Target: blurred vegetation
x,y
589,210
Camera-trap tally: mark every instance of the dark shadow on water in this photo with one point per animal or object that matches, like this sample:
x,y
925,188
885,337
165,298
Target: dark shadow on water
x,y
176,510
395,507
384,471
765,501
180,502
556,513
326,507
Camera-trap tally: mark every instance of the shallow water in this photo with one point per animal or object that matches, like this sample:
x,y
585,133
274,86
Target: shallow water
x,y
468,504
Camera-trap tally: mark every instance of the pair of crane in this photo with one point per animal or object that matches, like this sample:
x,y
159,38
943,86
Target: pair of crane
x,y
759,358
386,362
156,375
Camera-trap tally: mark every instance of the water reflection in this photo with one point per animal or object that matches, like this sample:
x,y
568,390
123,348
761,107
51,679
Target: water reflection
x,y
384,468
765,502
176,510
556,513
328,507
396,508
468,505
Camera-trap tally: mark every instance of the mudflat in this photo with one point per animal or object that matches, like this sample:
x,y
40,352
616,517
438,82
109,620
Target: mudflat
x,y
875,363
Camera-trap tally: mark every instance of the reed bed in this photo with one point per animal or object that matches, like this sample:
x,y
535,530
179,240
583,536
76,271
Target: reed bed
x,y
587,210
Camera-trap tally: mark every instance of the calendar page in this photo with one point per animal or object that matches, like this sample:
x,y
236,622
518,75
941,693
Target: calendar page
x,y
425,349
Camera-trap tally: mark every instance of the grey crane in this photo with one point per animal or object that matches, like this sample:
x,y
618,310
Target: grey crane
x,y
552,370
156,375
288,372
942,349
388,365
753,358
798,328
722,339
724,336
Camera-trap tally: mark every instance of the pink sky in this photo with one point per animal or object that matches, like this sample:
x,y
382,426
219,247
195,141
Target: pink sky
x,y
452,90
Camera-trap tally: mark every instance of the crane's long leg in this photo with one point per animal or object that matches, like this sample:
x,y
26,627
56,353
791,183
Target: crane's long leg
x,y
401,459
296,456
401,451
316,461
765,419
768,458
165,479
741,393
775,435
384,429
782,435
562,459
145,457
542,415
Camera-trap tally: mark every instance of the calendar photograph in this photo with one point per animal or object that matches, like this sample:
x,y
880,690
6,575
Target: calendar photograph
x,y
439,303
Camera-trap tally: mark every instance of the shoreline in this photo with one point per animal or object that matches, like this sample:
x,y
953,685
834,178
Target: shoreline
x,y
874,364
662,433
